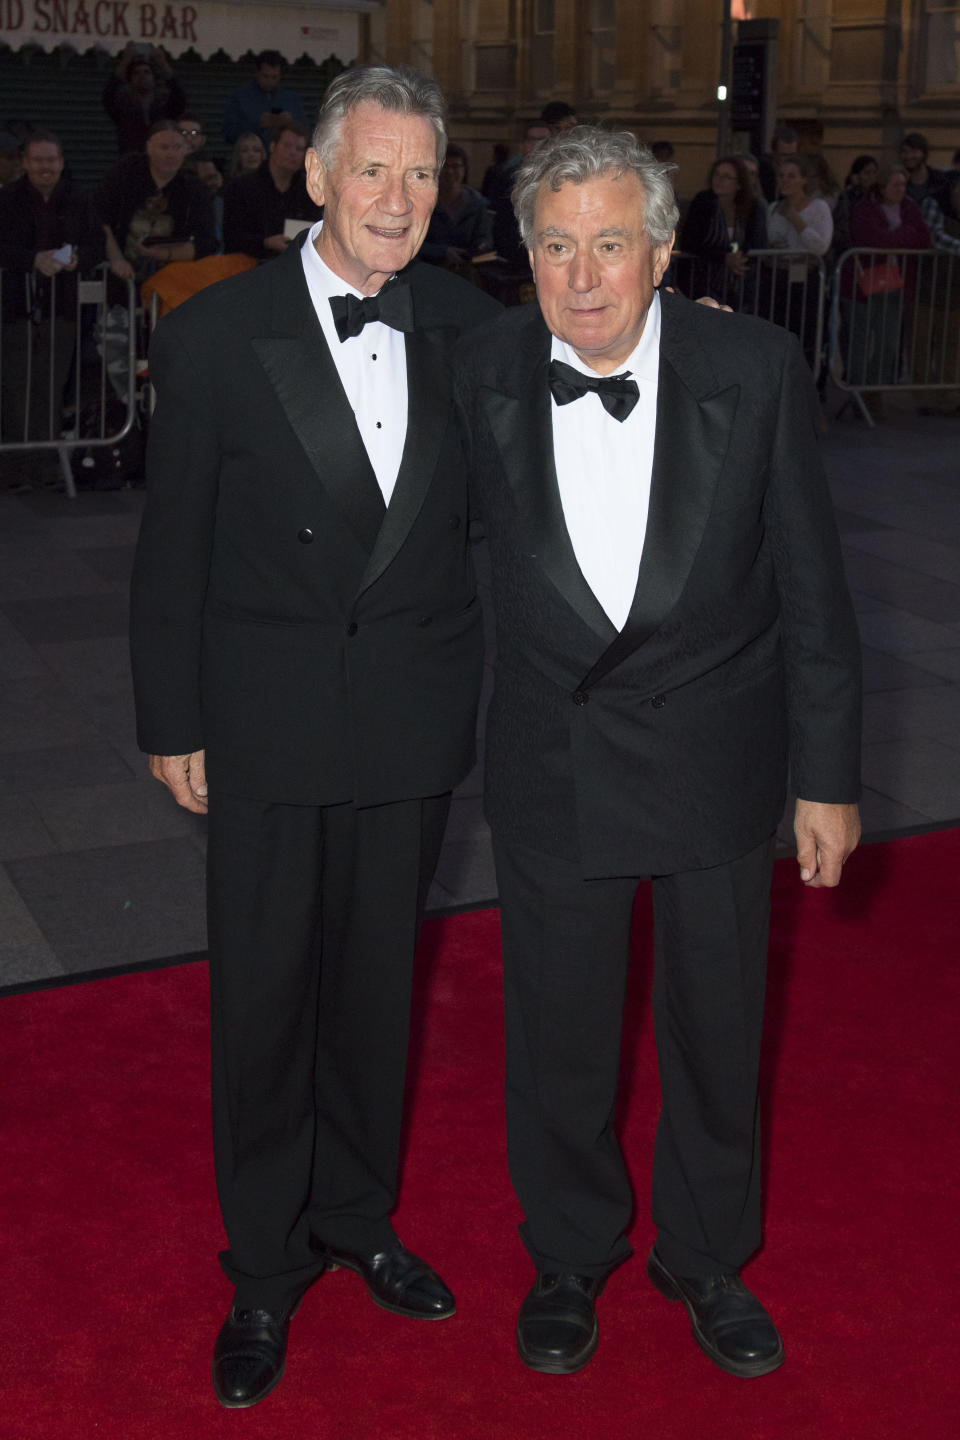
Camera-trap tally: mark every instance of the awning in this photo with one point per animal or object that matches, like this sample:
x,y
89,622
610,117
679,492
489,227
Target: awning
x,y
317,30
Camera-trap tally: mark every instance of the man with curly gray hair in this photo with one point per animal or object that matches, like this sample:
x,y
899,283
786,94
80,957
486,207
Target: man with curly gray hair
x,y
674,632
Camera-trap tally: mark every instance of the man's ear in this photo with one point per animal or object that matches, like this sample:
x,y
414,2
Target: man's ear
x,y
661,259
315,176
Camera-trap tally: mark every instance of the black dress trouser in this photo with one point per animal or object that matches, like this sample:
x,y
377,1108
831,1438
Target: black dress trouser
x,y
313,917
566,945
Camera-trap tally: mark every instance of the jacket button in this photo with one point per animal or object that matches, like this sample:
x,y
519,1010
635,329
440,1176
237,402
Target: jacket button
x,y
580,697
352,628
424,621
658,702
305,536
454,522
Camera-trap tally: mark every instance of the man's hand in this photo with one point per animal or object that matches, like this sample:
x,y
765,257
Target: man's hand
x,y
826,835
122,269
185,777
736,261
45,262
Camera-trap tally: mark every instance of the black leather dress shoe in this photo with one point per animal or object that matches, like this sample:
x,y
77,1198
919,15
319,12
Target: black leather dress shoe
x,y
729,1323
557,1327
249,1356
398,1281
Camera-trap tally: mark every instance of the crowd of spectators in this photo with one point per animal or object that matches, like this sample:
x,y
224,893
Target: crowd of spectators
x,y
172,197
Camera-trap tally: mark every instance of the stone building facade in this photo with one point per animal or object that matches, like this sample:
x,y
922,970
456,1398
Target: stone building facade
x,y
850,75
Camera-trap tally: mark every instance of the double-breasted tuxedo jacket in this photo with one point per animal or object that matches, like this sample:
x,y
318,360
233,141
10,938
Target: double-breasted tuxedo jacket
x,y
326,653
665,747
320,648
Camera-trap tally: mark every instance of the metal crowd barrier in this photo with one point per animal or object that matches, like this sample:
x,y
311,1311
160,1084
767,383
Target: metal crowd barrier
x,y
895,322
786,287
42,353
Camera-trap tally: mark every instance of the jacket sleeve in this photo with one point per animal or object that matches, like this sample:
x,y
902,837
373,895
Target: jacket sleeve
x,y
172,563
821,645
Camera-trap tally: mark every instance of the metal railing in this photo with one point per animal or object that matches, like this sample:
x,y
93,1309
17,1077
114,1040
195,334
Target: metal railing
x,y
49,352
895,322
786,287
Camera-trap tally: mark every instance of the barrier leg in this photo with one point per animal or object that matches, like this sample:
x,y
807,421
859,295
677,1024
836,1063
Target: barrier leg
x,y
66,470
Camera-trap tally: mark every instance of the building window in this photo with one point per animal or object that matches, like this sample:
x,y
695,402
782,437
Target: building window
x,y
603,46
542,76
941,45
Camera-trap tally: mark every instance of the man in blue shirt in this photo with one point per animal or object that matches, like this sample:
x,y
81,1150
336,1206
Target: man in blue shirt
x,y
262,106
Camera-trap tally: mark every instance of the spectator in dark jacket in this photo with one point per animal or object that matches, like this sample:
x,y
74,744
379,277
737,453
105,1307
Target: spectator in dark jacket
x,y
461,225
860,179
48,234
151,212
135,101
257,206
723,222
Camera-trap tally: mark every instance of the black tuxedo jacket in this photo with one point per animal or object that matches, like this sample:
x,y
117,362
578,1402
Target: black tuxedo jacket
x,y
319,647
665,747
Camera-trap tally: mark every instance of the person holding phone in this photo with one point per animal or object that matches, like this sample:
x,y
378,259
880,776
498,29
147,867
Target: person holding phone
x,y
48,232
263,106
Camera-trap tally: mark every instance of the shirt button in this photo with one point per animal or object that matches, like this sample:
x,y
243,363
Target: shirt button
x,y
373,357
658,702
454,522
379,426
352,628
580,697
305,536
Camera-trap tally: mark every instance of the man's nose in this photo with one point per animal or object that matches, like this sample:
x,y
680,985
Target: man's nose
x,y
394,197
583,272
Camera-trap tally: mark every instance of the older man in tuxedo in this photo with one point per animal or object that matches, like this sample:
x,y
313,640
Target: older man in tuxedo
x,y
674,637
307,656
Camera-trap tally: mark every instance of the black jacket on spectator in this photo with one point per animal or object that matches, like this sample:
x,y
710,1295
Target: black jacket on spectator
x,y
704,234
126,189
254,208
132,115
29,223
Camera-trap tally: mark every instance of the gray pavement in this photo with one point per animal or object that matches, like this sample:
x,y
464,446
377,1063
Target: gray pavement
x,y
99,869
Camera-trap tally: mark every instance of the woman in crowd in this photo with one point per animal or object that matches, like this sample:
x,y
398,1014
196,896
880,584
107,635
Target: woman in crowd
x,y
822,184
862,175
461,225
248,155
874,288
722,224
798,221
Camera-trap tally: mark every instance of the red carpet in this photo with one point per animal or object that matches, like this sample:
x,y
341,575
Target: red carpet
x,y
111,1295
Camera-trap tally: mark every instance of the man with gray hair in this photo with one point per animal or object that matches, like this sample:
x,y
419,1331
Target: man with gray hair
x,y
307,657
674,632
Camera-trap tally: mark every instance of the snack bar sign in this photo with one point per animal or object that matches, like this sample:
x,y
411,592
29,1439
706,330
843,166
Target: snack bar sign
x,y
97,20
203,26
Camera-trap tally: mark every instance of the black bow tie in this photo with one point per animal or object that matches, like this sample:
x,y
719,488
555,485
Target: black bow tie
x,y
393,305
618,394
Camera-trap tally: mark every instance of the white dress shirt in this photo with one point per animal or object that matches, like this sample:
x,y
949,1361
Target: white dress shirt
x,y
372,367
603,471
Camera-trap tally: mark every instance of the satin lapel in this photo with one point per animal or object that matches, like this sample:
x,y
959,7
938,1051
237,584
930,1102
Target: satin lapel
x,y
428,414
520,417
300,368
691,443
